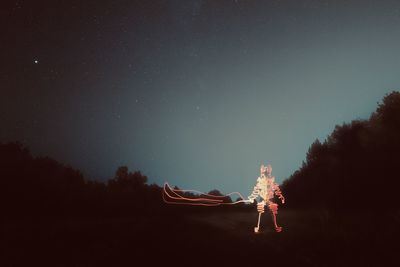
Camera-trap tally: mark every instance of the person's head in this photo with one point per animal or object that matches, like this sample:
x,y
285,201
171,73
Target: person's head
x,y
266,170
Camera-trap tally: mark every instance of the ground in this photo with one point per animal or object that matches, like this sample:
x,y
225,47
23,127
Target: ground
x,y
309,238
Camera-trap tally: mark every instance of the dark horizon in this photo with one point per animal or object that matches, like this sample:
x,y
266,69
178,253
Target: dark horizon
x,y
150,181
326,207
114,98
198,93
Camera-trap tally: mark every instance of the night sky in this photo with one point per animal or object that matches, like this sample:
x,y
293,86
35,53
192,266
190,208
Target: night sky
x,y
196,93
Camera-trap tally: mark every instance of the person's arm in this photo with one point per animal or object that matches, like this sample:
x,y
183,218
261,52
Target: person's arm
x,y
254,194
278,193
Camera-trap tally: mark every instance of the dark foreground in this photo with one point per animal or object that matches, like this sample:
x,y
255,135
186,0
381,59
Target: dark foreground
x,y
203,238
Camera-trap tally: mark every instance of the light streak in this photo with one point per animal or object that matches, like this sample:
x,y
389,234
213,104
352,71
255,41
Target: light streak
x,y
203,200
265,189
201,193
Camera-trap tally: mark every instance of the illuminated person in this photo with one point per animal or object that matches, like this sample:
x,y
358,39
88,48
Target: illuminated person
x,y
265,190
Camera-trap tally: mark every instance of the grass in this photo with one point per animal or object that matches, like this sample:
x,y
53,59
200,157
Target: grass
x,y
309,238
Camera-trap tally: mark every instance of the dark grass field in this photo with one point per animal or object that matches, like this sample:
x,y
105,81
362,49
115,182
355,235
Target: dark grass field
x,y
211,237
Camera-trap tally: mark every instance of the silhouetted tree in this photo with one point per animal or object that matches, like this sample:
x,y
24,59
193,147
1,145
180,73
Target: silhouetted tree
x,y
356,167
128,181
215,192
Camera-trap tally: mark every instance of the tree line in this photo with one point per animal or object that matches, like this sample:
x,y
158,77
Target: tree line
x,y
355,168
41,186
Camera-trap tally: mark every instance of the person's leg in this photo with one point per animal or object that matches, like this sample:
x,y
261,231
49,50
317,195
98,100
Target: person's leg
x,y
260,209
273,207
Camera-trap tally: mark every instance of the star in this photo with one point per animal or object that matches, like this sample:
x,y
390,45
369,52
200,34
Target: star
x,y
36,61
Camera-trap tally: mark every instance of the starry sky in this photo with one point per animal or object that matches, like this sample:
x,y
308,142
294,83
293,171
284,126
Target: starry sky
x,y
196,93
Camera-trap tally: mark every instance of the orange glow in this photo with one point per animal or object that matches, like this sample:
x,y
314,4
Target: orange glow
x,y
171,196
265,190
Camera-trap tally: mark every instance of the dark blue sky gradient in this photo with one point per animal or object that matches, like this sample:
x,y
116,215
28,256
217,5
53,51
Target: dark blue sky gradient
x,y
197,93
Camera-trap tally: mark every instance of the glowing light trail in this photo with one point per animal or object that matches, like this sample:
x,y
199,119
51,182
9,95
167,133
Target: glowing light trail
x,y
265,190
203,200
